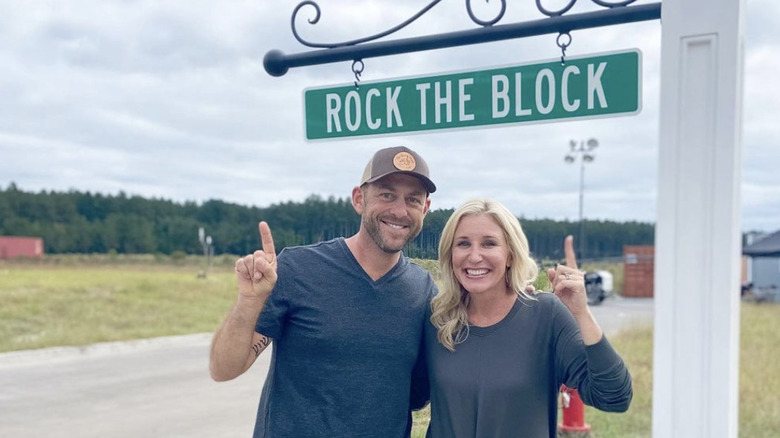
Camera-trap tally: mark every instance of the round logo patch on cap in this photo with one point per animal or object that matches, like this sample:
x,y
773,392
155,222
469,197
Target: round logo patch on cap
x,y
404,161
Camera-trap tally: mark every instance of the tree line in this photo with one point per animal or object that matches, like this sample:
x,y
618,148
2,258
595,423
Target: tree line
x,y
85,222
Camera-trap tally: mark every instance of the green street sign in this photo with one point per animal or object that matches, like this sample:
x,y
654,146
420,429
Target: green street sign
x,y
602,85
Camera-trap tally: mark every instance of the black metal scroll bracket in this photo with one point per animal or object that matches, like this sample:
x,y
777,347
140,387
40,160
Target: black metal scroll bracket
x,y
277,63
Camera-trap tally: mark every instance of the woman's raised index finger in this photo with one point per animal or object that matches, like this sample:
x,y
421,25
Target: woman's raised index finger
x,y
568,251
267,239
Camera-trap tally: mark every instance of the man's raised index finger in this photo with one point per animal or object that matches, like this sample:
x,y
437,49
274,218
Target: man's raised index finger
x,y
267,239
568,251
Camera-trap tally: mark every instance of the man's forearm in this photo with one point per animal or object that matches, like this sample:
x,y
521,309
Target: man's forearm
x,y
232,349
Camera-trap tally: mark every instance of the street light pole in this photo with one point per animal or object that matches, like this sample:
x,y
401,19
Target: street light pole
x,y
208,251
584,152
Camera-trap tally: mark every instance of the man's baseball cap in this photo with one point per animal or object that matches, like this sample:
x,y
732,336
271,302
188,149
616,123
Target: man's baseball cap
x,y
398,159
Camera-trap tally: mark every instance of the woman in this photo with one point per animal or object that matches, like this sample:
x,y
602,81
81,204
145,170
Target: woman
x,y
496,354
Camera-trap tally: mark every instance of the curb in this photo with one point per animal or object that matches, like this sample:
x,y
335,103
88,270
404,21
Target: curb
x,y
27,357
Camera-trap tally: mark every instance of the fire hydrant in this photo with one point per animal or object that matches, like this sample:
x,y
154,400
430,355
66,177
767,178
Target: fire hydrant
x,y
573,424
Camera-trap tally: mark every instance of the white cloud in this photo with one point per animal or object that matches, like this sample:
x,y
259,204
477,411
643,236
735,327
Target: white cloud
x,y
170,99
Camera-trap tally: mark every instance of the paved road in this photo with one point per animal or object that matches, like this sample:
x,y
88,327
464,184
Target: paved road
x,y
616,313
157,388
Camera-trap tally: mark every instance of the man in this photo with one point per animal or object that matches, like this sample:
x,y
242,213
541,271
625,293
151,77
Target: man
x,y
345,316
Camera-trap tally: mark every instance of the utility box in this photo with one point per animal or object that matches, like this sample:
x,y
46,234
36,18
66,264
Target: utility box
x,y
638,271
16,246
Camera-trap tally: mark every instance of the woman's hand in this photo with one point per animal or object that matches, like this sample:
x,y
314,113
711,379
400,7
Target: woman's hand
x,y
568,282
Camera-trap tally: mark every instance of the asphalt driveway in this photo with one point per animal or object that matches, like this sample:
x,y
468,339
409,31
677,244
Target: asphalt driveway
x,y
159,387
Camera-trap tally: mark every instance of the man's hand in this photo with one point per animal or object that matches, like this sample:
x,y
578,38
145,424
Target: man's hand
x,y
256,273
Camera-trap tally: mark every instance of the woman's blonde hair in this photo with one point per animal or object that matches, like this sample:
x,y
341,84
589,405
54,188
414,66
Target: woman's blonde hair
x,y
449,306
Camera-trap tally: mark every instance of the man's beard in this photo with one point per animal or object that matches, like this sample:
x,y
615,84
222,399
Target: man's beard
x,y
373,227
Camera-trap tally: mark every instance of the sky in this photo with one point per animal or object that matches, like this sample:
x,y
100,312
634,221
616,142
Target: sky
x,y
170,100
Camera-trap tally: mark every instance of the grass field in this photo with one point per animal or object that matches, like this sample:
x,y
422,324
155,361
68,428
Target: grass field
x,y
45,306
80,302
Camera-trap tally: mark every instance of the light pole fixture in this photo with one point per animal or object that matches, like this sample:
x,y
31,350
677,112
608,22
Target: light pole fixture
x,y
584,152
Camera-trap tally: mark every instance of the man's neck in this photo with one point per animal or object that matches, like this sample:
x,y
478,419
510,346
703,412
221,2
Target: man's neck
x,y
371,258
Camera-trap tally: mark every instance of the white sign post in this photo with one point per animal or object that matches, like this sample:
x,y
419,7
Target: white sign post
x,y
698,244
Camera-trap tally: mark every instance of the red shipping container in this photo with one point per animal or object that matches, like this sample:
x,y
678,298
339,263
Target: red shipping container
x,y
15,246
638,271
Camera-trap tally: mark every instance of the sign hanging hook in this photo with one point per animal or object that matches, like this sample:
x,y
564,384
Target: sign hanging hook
x,y
563,43
357,69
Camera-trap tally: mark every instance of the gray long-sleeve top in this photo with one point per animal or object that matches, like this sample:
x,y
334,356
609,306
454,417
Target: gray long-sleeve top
x,y
503,380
